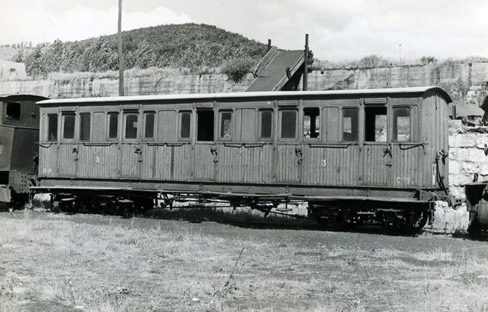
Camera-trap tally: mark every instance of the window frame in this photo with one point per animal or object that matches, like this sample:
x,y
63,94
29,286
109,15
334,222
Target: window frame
x,y
48,126
64,114
342,115
221,125
211,112
387,126
180,125
126,114
280,130
394,124
109,123
317,118
80,125
145,114
271,126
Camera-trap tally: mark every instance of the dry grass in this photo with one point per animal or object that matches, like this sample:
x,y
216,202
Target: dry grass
x,y
96,263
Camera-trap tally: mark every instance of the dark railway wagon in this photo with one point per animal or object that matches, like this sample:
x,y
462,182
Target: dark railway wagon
x,y
19,132
352,155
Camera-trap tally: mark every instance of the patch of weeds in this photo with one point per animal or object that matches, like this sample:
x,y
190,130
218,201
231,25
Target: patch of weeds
x,y
438,254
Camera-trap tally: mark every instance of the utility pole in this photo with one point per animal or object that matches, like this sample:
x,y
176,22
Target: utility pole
x,y
121,56
305,65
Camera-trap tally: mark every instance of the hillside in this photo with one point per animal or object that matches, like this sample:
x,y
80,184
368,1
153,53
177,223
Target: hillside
x,y
177,46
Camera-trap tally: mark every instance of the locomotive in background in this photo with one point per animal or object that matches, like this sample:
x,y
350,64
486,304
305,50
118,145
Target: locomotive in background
x,y
19,134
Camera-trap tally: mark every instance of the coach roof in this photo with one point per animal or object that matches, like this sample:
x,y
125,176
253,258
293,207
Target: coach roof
x,y
242,95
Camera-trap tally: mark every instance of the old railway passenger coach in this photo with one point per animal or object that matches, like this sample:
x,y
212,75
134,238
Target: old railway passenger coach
x,y
352,155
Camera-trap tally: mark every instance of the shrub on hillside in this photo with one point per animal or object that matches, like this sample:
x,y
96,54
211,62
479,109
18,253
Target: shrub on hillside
x,y
237,68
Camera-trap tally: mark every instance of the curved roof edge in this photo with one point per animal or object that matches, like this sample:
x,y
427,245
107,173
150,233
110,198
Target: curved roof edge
x,y
215,96
23,95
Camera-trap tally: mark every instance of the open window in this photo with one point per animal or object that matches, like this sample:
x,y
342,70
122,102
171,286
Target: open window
x,y
311,122
68,121
131,125
401,124
85,126
52,127
13,110
205,125
350,124
185,125
225,125
288,124
266,124
149,125
113,125
376,124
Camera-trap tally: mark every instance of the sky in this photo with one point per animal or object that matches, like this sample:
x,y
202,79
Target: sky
x,y
338,29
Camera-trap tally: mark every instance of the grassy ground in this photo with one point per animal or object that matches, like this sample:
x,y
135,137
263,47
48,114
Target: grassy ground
x,y
58,262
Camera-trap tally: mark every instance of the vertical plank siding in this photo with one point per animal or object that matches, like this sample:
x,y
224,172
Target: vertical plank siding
x,y
163,163
331,165
288,164
183,162
204,165
375,165
129,162
98,162
68,155
245,164
48,160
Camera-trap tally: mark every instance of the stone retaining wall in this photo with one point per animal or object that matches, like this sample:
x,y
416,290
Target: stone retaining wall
x,y
468,148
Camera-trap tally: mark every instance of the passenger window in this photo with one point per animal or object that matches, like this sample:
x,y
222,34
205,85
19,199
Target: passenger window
x,y
68,126
350,124
13,110
131,126
311,122
205,127
185,125
226,125
288,124
149,122
85,123
375,124
113,125
266,123
52,127
401,124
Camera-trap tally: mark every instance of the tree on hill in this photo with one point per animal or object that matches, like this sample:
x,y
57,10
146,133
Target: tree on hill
x,y
177,46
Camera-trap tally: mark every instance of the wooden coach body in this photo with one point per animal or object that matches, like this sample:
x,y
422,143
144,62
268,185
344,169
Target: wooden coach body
x,y
381,145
